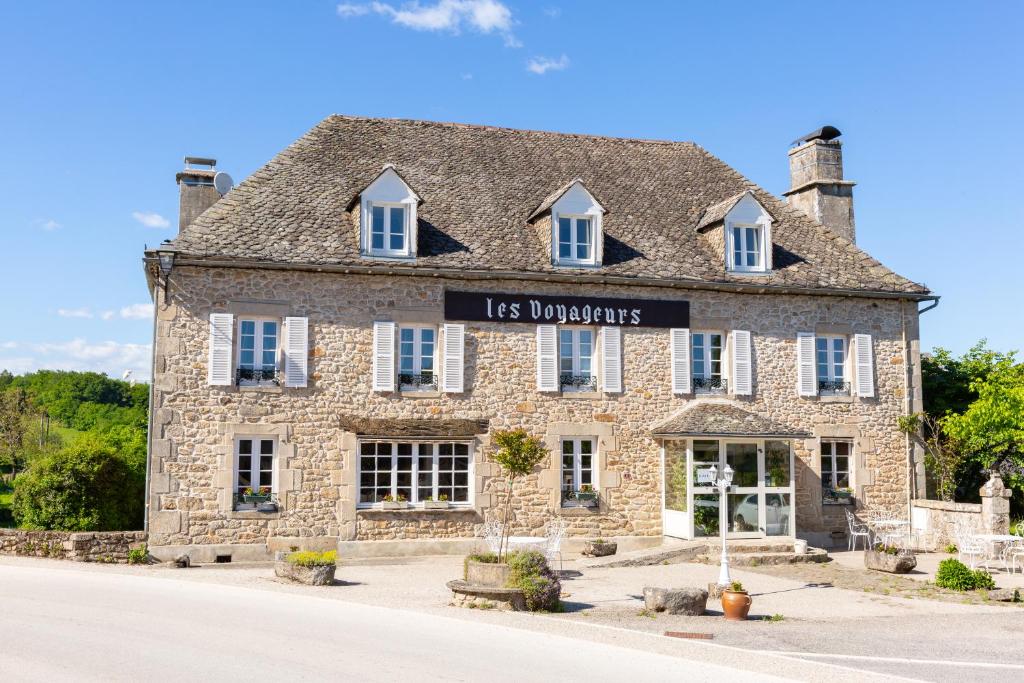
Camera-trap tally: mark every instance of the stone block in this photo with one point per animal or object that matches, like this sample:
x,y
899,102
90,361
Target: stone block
x,y
688,601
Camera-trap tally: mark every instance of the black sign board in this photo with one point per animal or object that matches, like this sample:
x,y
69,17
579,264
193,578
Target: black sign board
x,y
565,310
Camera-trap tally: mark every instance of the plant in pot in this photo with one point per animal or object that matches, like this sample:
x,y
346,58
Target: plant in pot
x,y
390,502
600,548
586,496
735,602
260,495
518,454
441,503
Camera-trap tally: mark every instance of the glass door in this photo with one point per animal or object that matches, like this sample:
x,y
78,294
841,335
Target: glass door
x,y
706,504
745,503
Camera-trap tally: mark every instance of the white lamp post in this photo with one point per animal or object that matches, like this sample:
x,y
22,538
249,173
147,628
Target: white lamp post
x,y
723,488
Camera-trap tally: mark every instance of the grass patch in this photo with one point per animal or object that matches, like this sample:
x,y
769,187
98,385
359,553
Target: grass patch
x,y
775,618
309,558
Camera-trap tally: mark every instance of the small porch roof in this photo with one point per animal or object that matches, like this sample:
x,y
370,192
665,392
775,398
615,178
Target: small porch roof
x,y
723,420
413,428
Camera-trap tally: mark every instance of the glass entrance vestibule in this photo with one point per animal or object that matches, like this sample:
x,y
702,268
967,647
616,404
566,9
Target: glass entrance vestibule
x,y
759,502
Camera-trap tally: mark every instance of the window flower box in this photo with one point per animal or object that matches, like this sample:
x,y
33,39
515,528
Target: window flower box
x,y
837,497
430,504
260,501
392,503
584,498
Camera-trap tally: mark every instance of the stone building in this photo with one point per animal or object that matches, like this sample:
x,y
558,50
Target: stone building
x,y
338,338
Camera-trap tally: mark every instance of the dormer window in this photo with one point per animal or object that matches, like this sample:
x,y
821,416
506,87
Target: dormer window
x,y
746,250
575,239
575,233
741,228
387,217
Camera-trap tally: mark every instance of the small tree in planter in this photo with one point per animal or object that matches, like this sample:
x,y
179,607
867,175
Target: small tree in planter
x,y
518,453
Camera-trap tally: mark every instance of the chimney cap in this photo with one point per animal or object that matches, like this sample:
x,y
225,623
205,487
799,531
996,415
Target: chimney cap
x,y
200,161
823,133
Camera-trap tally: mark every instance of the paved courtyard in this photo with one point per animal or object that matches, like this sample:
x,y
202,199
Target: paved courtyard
x,y
824,629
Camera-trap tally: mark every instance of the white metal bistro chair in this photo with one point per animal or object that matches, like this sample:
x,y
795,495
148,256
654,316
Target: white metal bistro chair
x,y
857,530
967,544
492,534
554,532
1013,554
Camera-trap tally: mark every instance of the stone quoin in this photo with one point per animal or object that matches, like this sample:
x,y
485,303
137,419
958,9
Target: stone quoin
x,y
338,337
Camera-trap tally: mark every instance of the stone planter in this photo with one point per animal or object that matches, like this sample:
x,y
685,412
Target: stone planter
x,y
394,505
595,549
736,605
689,601
311,576
489,574
435,505
893,564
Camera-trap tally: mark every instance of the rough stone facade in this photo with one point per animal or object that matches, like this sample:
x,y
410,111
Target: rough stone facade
x,y
94,546
194,424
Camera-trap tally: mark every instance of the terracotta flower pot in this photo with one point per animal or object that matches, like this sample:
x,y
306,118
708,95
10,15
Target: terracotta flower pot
x,y
735,605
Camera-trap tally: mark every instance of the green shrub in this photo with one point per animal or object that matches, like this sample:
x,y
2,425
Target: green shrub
x,y
887,549
736,587
86,486
530,573
955,575
951,549
311,558
138,555
486,558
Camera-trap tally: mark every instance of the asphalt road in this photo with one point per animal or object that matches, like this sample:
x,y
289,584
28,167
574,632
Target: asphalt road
x,y
64,624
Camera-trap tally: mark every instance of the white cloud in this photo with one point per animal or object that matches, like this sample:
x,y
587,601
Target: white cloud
x,y
541,65
107,315
47,224
485,16
74,312
151,220
553,12
137,312
110,357
9,345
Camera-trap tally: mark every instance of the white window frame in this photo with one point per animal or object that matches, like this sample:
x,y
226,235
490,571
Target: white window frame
x,y
830,353
760,231
254,463
576,357
573,243
705,358
257,348
405,251
417,357
577,468
415,476
832,456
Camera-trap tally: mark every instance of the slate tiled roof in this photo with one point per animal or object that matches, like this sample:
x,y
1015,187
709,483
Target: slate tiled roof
x,y
722,419
479,185
424,428
717,212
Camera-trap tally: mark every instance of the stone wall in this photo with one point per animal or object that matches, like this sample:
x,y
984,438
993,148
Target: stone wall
x,y
91,546
194,424
939,519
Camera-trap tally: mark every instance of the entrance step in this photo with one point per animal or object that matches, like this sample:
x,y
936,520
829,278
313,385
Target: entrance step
x,y
755,559
672,551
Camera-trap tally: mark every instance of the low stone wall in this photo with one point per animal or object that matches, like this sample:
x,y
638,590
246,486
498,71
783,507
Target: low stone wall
x,y
90,546
939,519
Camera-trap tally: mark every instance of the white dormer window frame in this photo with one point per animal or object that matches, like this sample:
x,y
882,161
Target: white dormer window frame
x,y
386,194
577,205
748,234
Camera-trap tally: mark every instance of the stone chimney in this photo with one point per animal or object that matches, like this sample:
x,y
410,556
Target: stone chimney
x,y
816,184
196,191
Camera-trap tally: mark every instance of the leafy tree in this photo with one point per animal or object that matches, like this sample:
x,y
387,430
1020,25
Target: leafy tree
x,y
14,410
942,460
947,380
87,486
518,453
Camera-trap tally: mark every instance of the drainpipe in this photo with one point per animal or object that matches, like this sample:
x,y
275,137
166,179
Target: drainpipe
x,y
149,422
908,401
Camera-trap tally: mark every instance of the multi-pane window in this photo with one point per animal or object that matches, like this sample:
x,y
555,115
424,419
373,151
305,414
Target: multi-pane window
x,y
578,468
835,465
254,466
706,350
414,471
576,359
416,347
830,360
575,239
746,248
387,229
257,351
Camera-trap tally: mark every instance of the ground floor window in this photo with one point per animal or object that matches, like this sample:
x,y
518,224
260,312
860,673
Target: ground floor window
x,y
835,470
414,472
579,484
254,470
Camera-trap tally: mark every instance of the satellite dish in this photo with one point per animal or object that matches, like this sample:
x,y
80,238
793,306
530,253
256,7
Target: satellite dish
x,y
222,182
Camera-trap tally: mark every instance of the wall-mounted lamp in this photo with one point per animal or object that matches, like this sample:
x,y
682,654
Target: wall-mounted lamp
x,y
165,259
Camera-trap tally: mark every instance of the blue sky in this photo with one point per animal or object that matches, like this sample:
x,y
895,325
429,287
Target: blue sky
x,y
100,102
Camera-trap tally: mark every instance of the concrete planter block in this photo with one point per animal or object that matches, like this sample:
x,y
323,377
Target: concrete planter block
x,y
688,601
884,562
488,574
595,549
435,505
311,576
393,505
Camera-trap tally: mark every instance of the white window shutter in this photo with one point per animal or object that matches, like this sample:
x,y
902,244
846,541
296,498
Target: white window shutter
x,y
547,358
611,359
864,365
680,353
296,351
806,381
742,372
454,357
218,371
383,356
